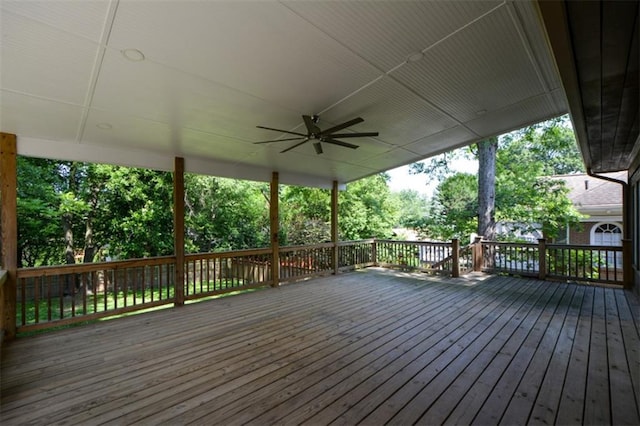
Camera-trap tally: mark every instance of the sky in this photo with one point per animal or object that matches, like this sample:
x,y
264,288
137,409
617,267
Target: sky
x,y
401,179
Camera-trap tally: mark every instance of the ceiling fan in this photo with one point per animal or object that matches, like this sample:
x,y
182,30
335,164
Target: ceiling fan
x,y
315,134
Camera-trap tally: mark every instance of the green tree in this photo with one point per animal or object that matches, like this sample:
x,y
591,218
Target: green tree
x,y
453,209
305,215
225,214
133,216
366,209
39,232
412,207
524,197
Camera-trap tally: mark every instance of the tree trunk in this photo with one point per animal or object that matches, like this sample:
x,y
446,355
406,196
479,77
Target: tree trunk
x,y
68,239
487,150
89,247
68,253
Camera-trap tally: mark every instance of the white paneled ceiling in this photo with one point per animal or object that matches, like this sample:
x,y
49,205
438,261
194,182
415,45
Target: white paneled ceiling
x,y
429,76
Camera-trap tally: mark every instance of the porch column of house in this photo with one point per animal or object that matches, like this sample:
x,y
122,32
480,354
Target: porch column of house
x,y
9,234
334,226
274,222
178,228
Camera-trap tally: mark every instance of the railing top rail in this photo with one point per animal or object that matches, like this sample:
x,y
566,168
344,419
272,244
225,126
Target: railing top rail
x,y
354,242
306,247
584,247
94,266
422,243
508,244
226,254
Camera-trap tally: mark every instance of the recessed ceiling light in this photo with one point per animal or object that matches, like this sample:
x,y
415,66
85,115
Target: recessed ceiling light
x,y
415,57
133,55
104,126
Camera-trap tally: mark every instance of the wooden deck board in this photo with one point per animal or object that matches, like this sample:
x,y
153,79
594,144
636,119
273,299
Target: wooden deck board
x,y
373,346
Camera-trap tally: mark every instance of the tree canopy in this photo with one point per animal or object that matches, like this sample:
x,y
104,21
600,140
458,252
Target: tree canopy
x,y
79,212
525,197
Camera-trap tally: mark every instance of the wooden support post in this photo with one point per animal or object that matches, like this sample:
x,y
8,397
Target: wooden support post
x,y
455,258
476,252
9,228
627,264
542,258
374,252
334,226
178,228
275,230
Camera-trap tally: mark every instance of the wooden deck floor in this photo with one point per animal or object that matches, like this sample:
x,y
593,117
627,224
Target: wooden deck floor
x,y
371,347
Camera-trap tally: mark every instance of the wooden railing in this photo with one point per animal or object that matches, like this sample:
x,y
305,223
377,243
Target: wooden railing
x,y
356,254
52,296
580,263
466,259
208,274
584,263
305,261
72,293
59,295
510,258
437,257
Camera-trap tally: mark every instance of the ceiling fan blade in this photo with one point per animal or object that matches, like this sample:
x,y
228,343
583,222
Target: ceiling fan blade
x,y
311,126
354,135
342,126
317,147
337,142
280,140
283,131
294,146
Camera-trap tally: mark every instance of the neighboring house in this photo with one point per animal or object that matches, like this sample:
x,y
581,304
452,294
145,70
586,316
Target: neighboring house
x,y
601,202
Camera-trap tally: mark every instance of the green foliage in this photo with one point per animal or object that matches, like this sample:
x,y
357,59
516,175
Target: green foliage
x,y
524,196
366,209
135,207
412,208
305,215
454,209
39,236
224,214
117,212
551,145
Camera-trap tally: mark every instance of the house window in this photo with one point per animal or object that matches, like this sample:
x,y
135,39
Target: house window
x,y
606,234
